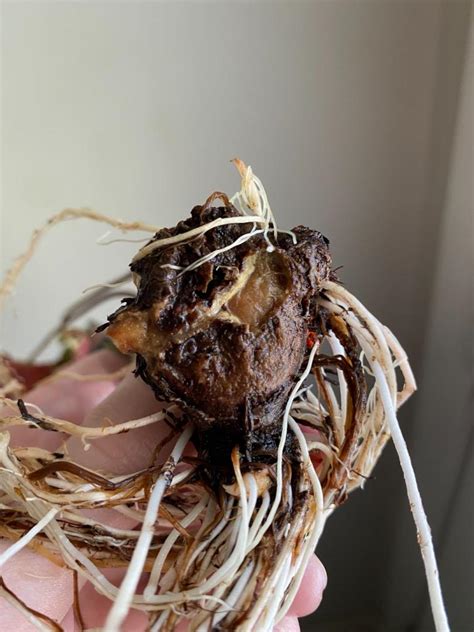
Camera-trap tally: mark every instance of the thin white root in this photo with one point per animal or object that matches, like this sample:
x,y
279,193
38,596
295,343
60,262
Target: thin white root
x,y
103,241
125,595
281,446
153,581
377,342
322,513
195,232
240,240
98,286
425,540
28,537
84,432
90,377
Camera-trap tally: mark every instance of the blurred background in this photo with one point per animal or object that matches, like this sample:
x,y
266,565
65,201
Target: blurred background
x,y
358,117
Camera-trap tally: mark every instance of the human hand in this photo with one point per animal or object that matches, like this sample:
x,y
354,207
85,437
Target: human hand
x,y
47,588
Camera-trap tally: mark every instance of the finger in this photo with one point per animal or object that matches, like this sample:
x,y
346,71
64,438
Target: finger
x,y
68,624
95,607
287,624
122,453
68,398
306,601
38,582
311,589
33,578
119,454
127,452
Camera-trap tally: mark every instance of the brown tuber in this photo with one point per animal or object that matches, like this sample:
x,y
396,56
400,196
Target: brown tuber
x,y
227,339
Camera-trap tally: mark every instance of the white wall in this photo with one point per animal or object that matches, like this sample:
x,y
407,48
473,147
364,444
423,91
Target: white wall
x,y
443,411
136,108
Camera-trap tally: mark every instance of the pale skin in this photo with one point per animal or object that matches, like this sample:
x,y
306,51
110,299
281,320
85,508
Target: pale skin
x,y
48,588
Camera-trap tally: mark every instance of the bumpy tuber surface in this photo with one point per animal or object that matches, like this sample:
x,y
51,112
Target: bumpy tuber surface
x,y
227,339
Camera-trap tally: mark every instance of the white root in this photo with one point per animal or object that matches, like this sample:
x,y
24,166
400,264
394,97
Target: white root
x,y
115,376
196,232
98,286
103,241
125,595
84,432
235,593
379,360
425,540
23,541
240,240
322,514
252,198
154,579
281,446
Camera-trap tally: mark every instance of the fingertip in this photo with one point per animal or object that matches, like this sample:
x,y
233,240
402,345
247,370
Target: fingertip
x,y
311,589
38,582
69,398
125,452
287,624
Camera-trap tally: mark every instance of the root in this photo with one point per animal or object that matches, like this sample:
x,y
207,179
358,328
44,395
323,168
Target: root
x,y
129,584
39,621
425,540
378,345
85,433
115,376
67,214
196,232
234,561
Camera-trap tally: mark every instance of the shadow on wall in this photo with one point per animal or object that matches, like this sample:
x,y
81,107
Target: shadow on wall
x,y
376,580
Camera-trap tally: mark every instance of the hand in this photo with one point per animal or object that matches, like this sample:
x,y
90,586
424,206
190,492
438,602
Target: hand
x,y
48,588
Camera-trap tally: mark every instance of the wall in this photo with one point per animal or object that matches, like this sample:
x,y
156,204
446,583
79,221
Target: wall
x,y
443,410
136,108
